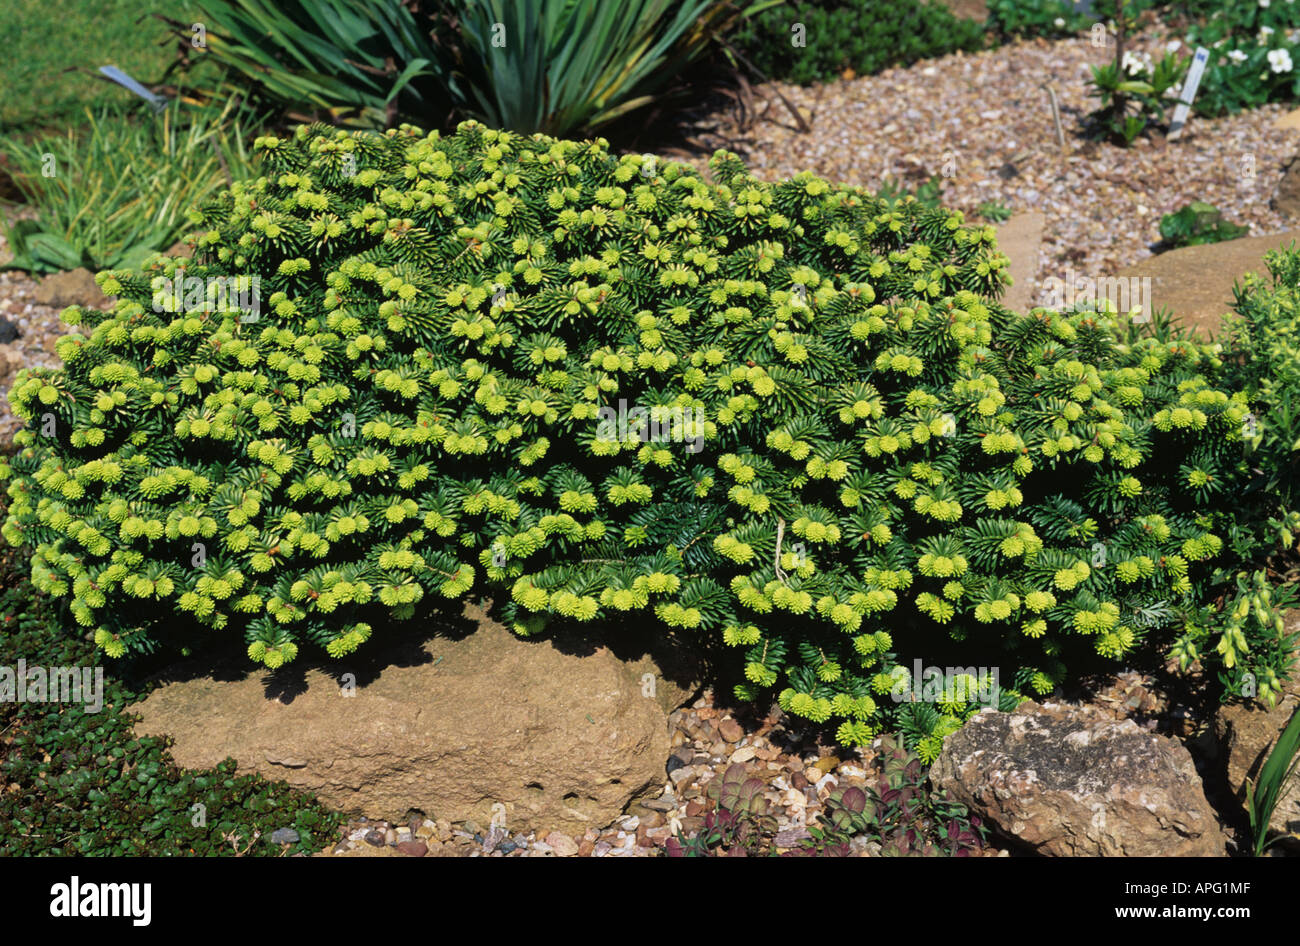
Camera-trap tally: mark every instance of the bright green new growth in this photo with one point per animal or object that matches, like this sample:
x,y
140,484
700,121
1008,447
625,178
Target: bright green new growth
x,y
417,414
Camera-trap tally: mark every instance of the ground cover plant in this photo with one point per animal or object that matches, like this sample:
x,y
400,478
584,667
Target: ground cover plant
x,y
1198,223
899,813
788,414
79,782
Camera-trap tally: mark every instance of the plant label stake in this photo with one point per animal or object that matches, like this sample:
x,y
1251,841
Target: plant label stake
x,y
121,78
1189,92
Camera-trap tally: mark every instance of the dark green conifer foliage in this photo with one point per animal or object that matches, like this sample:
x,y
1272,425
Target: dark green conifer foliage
x,y
447,386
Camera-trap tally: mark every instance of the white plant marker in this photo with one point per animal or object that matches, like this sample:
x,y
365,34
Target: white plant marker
x,y
1189,92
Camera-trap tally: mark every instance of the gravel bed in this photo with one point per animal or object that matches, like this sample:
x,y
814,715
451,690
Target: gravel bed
x,y
984,123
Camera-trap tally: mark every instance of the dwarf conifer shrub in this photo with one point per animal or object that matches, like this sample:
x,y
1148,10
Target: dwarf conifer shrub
x,y
788,414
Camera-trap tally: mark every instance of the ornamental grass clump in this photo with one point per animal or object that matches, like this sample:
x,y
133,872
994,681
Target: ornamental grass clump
x,y
788,414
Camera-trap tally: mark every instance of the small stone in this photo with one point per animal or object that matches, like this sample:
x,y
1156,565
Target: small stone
x,y
791,837
375,837
403,834
662,803
506,847
413,848
682,774
743,754
562,844
731,730
826,765
390,837
602,848
284,836
425,831
586,847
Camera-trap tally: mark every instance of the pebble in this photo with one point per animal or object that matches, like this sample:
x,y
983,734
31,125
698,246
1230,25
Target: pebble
x,y
561,844
413,848
743,754
284,836
731,730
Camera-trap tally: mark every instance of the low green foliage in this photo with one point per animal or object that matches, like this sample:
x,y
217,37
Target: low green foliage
x,y
786,414
117,191
865,36
1198,223
929,194
995,211
1020,18
81,783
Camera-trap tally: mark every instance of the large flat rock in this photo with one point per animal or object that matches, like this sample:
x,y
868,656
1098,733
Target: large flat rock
x,y
564,735
1195,283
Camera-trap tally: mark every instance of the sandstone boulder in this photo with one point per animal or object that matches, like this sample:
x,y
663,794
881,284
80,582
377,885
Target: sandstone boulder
x,y
1072,781
563,733
1196,282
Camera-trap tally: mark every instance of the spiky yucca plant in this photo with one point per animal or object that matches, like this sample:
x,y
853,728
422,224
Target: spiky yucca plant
x,y
789,414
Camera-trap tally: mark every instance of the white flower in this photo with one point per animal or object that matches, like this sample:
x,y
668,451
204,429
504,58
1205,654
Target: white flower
x,y
1237,56
1280,60
1059,23
1264,33
1135,65
1172,45
1264,4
